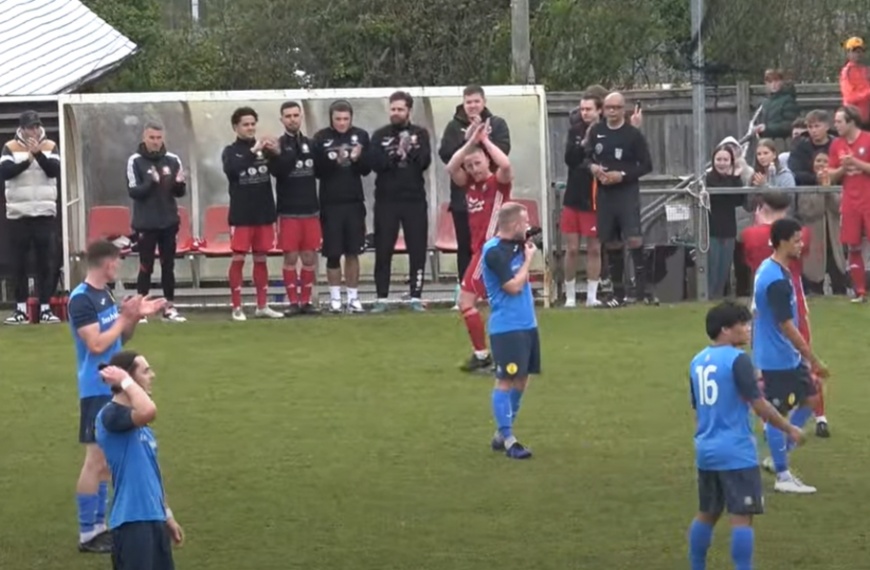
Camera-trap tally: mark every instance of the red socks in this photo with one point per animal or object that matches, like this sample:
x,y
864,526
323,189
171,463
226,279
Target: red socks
x,y
290,286
856,272
236,279
476,330
307,277
261,282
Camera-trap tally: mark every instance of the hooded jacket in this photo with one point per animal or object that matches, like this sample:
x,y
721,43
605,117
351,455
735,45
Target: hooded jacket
x,y
855,87
340,178
400,179
778,113
154,203
31,181
580,187
454,138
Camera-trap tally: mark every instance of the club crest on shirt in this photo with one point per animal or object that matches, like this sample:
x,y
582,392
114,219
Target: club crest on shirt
x,y
252,171
305,148
599,148
165,170
617,153
354,139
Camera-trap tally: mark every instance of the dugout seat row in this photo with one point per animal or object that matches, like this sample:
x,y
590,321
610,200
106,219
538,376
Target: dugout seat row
x,y
111,222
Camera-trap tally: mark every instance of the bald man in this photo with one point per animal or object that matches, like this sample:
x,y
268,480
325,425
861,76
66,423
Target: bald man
x,y
619,156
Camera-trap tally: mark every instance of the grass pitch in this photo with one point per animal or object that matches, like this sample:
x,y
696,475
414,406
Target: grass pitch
x,y
354,443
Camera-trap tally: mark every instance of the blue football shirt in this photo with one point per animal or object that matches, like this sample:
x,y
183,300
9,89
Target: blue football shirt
x,y
88,305
501,261
774,302
722,385
131,453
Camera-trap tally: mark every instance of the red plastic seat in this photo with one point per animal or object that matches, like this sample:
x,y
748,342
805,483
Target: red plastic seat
x,y
185,234
534,213
216,232
445,237
108,222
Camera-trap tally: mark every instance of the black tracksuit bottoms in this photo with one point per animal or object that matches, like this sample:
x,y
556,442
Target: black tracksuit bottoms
x,y
40,235
413,218
165,241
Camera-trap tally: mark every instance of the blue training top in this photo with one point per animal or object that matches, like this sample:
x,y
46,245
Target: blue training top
x,y
774,302
722,385
501,261
87,306
131,453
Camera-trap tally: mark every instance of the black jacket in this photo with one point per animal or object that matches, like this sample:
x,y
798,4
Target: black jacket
x,y
340,178
295,183
723,215
154,203
801,158
620,150
400,179
252,202
578,188
454,138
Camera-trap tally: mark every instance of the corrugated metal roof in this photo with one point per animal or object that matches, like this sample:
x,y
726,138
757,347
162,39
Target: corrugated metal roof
x,y
53,46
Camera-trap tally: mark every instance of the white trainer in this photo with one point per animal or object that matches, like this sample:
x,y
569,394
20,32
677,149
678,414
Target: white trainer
x,y
268,312
570,303
335,305
239,314
791,484
355,306
171,315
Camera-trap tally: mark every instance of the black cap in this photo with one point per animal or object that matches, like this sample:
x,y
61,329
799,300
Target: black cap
x,y
29,119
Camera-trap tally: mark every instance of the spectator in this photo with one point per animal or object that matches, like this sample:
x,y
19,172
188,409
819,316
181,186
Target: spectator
x,y
340,162
600,92
470,113
779,109
155,179
723,220
578,218
400,155
769,171
798,133
855,80
741,167
818,139
30,165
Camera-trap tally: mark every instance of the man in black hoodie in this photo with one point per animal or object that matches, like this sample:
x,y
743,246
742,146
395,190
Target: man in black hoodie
x,y
340,162
471,112
155,180
400,155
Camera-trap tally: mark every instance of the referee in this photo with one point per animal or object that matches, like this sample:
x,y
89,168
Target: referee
x,y
400,155
513,325
142,523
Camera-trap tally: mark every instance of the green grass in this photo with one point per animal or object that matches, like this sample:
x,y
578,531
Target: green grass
x,y
352,443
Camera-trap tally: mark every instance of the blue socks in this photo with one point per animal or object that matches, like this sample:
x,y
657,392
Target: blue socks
x,y
776,440
700,537
742,542
516,399
501,412
102,505
88,506
801,416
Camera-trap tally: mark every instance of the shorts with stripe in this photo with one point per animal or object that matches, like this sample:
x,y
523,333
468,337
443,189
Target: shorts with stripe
x,y
472,281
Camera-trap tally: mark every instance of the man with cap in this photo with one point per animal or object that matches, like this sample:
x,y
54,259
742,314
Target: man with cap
x,y
30,166
855,80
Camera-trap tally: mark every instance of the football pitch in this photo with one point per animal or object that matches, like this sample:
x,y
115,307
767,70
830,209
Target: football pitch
x,y
355,443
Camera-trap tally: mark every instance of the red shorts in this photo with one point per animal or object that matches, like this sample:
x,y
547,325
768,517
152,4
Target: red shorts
x,y
854,225
299,234
574,221
255,239
472,281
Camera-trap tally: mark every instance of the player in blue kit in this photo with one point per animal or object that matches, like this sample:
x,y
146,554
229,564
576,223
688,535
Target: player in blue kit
x,y
724,389
513,326
142,523
99,329
780,351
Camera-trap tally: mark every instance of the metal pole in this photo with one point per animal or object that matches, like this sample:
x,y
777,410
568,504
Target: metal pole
x,y
699,109
521,46
194,12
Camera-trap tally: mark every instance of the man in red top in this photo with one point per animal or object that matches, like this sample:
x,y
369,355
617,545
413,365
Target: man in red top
x,y
485,192
757,248
849,163
855,80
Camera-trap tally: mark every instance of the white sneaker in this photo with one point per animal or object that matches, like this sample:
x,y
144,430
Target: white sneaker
x,y
791,484
355,306
570,303
593,303
267,313
767,465
46,317
239,314
171,315
143,321
335,305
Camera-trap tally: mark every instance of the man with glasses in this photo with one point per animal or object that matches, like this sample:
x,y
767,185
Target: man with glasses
x,y
619,157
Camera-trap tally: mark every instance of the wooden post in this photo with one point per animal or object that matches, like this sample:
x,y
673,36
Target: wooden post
x,y
521,46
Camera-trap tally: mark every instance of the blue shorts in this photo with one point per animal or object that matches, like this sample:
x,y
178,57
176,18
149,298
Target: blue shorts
x,y
516,354
142,546
89,408
738,490
788,389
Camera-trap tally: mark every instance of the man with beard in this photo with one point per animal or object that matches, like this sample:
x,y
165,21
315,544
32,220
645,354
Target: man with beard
x,y
400,156
155,180
472,112
340,163
299,232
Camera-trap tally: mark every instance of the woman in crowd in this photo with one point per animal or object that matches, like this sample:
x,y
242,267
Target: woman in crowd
x,y
723,219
